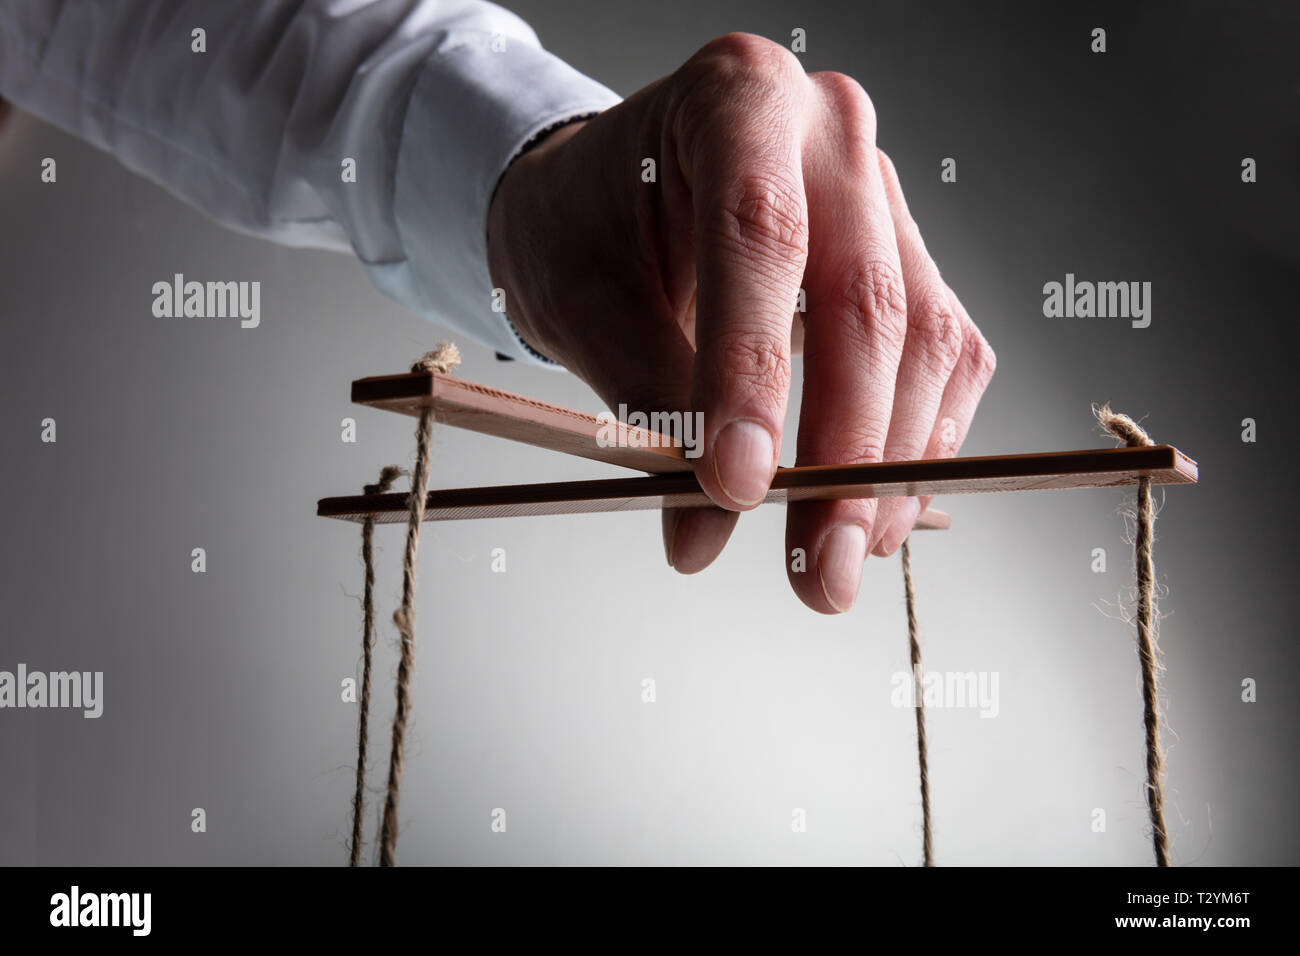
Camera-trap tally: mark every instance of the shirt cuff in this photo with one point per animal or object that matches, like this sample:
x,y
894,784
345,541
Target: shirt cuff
x,y
479,101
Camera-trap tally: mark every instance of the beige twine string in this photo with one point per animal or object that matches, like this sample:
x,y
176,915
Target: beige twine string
x,y
442,359
1128,431
922,755
386,479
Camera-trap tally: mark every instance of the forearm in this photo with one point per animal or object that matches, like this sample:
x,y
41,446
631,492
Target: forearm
x,y
380,128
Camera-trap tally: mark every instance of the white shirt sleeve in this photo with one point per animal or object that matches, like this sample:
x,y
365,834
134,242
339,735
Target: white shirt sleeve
x,y
430,98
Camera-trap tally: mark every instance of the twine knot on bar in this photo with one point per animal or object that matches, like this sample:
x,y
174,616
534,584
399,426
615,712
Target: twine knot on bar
x,y
387,476
442,359
1121,426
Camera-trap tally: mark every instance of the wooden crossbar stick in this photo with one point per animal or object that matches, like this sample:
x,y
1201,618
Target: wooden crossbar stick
x,y
1093,468
491,411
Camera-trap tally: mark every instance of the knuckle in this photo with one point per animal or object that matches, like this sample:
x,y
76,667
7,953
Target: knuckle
x,y
854,124
876,300
766,214
894,188
936,329
849,99
983,359
887,168
910,238
738,66
758,364
745,54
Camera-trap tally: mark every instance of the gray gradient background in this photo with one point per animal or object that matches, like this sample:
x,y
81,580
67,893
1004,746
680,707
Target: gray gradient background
x,y
222,690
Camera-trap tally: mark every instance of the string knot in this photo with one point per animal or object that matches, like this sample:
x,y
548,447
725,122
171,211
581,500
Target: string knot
x,y
442,359
387,476
1121,426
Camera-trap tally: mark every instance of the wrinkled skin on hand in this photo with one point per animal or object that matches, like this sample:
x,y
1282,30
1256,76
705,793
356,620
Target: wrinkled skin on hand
x,y
680,294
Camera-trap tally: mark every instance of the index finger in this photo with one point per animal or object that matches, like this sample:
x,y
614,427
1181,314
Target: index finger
x,y
743,163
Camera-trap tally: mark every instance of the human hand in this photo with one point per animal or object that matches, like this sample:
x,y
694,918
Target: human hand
x,y
680,294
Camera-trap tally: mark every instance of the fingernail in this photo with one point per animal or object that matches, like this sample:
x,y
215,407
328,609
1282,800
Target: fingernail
x,y
743,454
902,526
840,564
